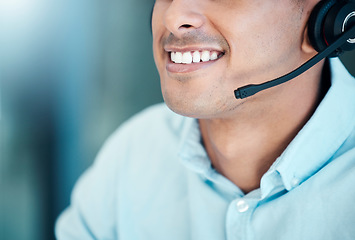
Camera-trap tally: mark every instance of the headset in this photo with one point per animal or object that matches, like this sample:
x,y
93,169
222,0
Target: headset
x,y
331,31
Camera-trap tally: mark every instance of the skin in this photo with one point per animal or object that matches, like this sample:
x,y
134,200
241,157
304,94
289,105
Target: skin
x,y
260,40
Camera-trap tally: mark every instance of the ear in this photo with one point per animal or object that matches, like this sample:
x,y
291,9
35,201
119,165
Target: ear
x,y
309,8
306,45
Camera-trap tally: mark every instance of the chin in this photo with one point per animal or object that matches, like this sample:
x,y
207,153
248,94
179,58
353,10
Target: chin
x,y
200,108
183,107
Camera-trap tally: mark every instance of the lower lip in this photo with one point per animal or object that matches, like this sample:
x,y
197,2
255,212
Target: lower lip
x,y
187,68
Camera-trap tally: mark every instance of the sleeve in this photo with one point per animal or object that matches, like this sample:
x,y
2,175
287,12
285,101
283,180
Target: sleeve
x,y
93,208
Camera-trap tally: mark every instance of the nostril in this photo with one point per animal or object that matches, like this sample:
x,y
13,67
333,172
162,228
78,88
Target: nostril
x,y
185,26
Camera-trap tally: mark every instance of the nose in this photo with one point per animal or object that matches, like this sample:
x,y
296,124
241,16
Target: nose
x,y
182,16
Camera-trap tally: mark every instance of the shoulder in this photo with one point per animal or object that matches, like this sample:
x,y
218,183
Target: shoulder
x,y
132,160
155,132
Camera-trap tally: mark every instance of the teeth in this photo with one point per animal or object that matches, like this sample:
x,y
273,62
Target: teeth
x,y
173,56
205,56
178,57
195,57
214,56
187,58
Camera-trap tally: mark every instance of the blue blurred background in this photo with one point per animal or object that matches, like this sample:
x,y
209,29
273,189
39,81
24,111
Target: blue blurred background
x,y
70,73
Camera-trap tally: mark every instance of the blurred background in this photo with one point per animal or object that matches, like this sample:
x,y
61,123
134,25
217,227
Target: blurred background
x,y
70,73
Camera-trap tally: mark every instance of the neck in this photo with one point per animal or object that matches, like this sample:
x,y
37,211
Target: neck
x,y
243,147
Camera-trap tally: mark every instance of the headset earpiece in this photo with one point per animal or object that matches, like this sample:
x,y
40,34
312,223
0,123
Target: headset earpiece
x,y
328,20
316,22
340,18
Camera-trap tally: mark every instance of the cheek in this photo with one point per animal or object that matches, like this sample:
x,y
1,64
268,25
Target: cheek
x,y
257,49
158,31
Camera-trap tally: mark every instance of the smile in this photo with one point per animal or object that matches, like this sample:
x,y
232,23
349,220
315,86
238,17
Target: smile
x,y
194,56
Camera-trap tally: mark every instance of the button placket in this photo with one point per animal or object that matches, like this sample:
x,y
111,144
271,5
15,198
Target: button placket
x,y
238,219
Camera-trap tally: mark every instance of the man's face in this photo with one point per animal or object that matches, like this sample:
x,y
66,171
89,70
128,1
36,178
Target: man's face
x,y
221,45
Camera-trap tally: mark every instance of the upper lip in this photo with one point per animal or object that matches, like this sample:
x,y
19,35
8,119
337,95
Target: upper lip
x,y
171,48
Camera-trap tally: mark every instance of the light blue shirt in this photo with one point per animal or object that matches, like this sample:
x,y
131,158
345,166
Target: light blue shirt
x,y
154,180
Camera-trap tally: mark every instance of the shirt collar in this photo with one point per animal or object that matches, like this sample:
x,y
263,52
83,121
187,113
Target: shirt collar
x,y
323,134
194,156
192,153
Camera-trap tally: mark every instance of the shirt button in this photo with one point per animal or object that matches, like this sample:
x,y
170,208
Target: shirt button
x,y
242,206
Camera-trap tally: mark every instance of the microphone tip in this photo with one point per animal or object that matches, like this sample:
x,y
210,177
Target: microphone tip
x,y
237,94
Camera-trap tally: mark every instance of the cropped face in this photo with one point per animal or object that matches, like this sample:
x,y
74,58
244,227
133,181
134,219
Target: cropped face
x,y
204,49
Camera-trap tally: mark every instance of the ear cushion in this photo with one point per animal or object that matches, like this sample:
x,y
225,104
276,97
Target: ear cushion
x,y
342,13
316,23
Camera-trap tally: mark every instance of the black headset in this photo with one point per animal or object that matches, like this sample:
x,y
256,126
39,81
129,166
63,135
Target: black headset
x,y
328,20
331,31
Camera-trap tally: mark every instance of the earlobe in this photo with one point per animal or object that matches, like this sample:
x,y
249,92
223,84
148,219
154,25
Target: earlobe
x,y
306,45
